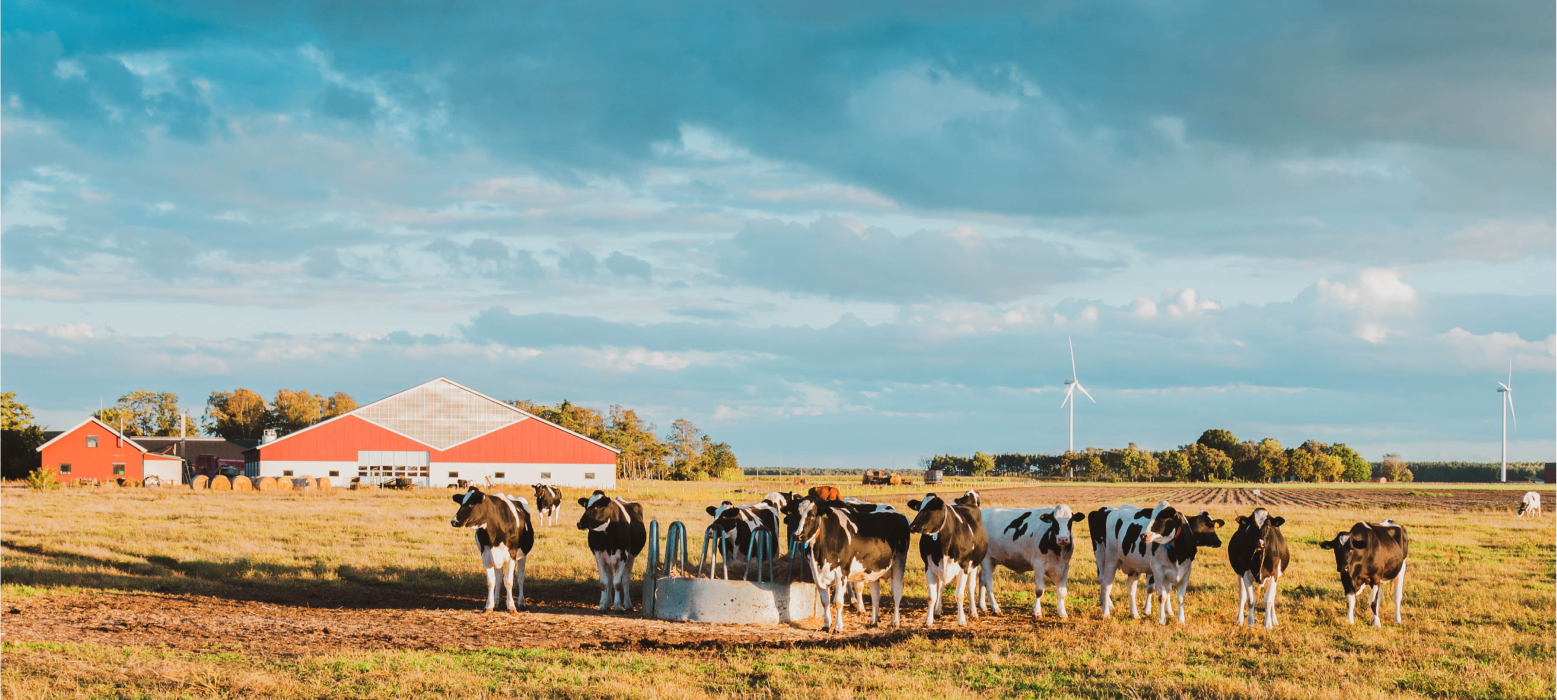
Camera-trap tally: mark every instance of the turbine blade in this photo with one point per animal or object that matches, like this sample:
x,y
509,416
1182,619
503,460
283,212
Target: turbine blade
x,y
1068,392
1072,357
1515,416
1504,386
1084,391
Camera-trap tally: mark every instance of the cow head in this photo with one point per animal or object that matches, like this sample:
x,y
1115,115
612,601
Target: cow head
x,y
475,508
1260,524
777,500
808,518
933,515
970,499
1062,517
542,491
598,511
722,507
1204,527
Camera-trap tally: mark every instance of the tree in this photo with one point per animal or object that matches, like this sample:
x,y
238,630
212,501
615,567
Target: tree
x,y
1218,439
686,445
1173,464
1394,468
1327,468
1300,464
719,460
642,454
239,414
1208,463
1354,467
1132,463
19,438
339,404
149,413
1090,465
983,464
292,410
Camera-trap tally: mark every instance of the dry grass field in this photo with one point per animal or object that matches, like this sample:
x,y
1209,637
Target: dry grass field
x,y
173,593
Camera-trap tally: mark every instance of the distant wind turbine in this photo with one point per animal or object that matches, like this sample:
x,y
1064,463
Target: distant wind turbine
x,y
1071,385
1507,390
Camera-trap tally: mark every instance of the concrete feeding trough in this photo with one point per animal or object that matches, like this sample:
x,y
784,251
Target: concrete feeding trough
x,y
669,593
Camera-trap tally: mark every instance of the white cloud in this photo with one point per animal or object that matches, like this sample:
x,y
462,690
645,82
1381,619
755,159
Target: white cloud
x,y
1376,290
1493,351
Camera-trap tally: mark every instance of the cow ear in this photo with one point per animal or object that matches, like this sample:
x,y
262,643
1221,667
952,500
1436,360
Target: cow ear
x,y
712,510
1327,544
459,498
914,505
1278,521
1047,517
583,502
1241,519
1078,517
1219,522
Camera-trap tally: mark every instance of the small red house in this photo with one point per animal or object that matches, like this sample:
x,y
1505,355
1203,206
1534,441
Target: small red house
x,y
92,450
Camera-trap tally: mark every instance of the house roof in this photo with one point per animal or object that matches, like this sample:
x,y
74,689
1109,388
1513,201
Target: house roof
x,y
522,415
189,448
83,424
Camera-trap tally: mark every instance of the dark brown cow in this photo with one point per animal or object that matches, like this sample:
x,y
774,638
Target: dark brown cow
x,y
1258,553
825,493
1371,554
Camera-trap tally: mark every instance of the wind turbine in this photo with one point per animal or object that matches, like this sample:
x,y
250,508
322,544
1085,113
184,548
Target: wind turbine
x,y
1071,385
1507,390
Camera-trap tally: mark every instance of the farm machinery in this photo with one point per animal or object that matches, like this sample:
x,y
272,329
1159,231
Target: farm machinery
x,y
882,477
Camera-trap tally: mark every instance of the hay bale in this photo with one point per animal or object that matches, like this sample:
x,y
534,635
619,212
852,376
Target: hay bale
x,y
302,483
283,483
265,483
242,483
220,483
200,482
323,483
130,483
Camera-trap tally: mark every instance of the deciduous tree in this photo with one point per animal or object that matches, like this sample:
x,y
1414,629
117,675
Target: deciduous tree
x,y
19,438
239,414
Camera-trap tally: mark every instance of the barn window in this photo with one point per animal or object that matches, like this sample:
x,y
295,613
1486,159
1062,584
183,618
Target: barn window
x,y
118,469
335,473
91,441
498,475
286,472
589,475
64,468
454,475
545,475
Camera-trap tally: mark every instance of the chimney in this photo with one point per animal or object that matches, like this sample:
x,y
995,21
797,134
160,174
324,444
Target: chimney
x,y
270,436
182,426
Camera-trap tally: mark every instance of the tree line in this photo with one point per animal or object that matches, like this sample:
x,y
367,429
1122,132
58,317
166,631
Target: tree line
x,y
1217,456
683,454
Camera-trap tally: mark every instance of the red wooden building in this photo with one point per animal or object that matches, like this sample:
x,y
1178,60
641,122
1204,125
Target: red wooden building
x,y
92,450
437,434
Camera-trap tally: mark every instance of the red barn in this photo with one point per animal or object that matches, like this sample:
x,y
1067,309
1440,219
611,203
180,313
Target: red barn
x,y
438,434
92,450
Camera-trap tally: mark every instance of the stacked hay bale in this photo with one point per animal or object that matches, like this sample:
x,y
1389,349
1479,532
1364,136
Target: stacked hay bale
x,y
200,482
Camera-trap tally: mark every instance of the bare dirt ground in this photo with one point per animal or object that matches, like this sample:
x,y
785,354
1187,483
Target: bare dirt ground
x,y
306,621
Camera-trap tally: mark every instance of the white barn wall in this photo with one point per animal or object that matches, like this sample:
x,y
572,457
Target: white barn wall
x,y
565,475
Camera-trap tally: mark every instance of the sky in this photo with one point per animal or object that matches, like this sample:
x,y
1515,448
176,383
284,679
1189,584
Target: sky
x,y
847,235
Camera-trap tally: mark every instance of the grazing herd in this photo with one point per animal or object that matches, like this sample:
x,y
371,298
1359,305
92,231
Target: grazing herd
x,y
847,543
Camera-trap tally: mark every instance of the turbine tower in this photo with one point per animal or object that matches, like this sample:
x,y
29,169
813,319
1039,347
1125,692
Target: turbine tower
x,y
1507,390
1071,385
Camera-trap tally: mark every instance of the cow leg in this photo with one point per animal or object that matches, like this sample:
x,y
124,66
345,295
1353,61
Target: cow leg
x,y
624,580
962,588
1133,581
1243,596
1377,601
605,581
1062,580
1351,607
824,592
1151,585
974,586
1160,589
859,596
506,576
1270,605
987,590
875,603
899,564
932,580
491,588
843,585
1038,572
1183,588
1400,590
518,565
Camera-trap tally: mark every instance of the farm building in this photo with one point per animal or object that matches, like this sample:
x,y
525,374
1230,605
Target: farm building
x,y
92,450
438,434
206,456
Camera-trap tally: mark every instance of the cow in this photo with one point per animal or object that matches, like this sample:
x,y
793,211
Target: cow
x,y
548,501
825,493
1029,539
616,536
844,546
1531,505
1258,553
503,535
953,544
738,526
1160,543
1371,554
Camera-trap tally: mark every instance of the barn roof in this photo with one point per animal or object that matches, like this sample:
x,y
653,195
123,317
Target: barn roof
x,y
440,414
85,423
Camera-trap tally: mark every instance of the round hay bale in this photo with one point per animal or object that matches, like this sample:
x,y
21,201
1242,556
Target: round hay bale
x,y
302,483
265,483
356,486
220,483
323,483
200,482
284,483
151,482
242,483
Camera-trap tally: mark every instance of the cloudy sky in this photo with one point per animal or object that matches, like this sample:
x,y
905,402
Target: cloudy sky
x,y
850,234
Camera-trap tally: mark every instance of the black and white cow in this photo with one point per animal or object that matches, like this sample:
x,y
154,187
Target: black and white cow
x,y
1371,554
504,536
1029,539
1258,553
548,501
739,526
953,544
616,536
1530,504
1160,543
844,546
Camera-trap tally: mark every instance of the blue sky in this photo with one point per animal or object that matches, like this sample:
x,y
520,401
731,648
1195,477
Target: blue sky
x,y
852,236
